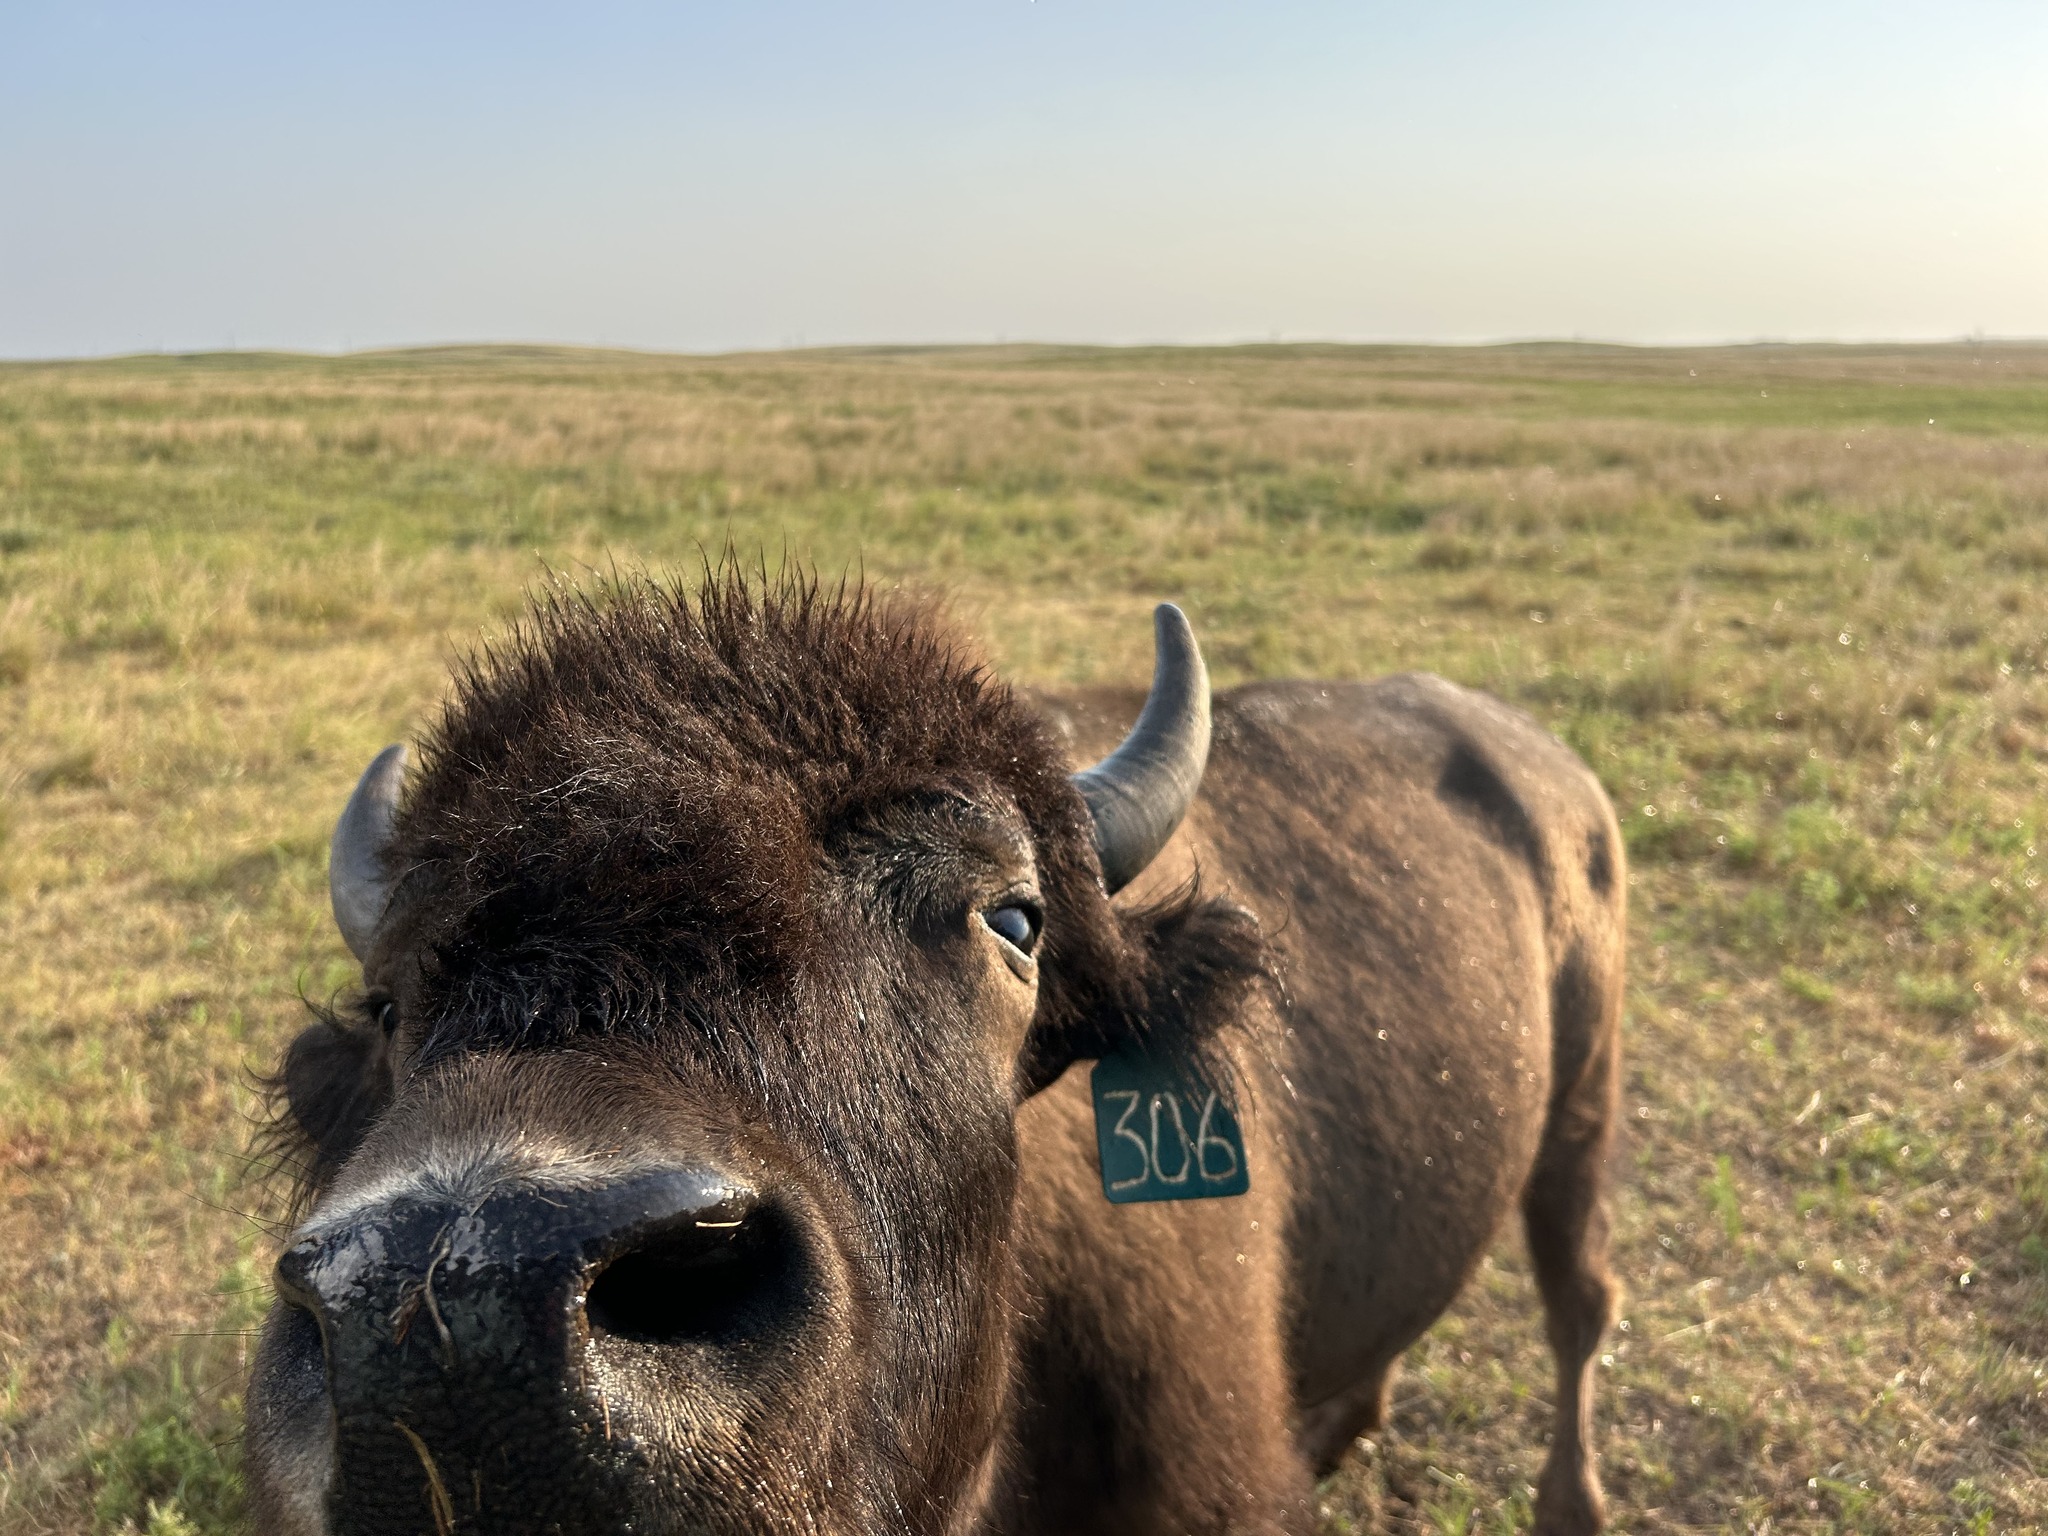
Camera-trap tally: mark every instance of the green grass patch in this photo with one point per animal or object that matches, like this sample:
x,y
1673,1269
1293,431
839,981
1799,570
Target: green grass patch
x,y
1789,622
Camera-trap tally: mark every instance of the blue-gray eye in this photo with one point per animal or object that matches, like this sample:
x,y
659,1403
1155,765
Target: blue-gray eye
x,y
1016,924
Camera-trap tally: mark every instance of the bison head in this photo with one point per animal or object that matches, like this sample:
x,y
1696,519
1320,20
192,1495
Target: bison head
x,y
661,1177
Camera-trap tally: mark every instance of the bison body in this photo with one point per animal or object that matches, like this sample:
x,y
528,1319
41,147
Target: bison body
x,y
712,1147
1440,882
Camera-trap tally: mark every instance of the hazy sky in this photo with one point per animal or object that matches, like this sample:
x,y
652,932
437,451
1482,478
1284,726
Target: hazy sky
x,y
691,176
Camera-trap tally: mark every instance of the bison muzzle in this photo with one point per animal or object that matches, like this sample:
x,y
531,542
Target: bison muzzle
x,y
711,1145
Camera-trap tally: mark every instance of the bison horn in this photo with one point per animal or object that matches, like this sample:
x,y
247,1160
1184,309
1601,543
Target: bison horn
x,y
1138,794
357,882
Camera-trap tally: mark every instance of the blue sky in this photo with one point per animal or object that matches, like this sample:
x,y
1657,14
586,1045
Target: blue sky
x,y
704,177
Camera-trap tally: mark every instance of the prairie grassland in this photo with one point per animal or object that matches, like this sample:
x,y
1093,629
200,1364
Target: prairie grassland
x,y
1786,602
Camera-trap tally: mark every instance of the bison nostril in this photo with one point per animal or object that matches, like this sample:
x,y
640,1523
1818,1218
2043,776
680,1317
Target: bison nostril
x,y
294,1272
709,1275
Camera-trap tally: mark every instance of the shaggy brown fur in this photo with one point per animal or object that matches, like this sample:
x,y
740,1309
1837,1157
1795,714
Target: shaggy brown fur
x,y
696,881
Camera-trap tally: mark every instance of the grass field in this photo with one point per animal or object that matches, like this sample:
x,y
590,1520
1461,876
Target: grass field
x,y
1786,601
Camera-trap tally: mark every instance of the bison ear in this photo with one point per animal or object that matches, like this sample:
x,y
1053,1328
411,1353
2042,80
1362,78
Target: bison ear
x,y
337,1078
1192,965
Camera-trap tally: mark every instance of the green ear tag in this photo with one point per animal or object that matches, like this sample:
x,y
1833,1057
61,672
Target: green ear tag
x,y
1163,1137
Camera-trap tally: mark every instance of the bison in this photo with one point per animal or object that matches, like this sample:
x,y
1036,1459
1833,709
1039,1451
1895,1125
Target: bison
x,y
777,1071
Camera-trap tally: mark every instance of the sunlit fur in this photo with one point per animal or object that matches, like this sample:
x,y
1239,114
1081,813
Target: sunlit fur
x,y
657,844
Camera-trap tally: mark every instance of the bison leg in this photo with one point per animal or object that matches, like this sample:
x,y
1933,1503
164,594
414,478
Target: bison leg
x,y
1328,1429
1565,1211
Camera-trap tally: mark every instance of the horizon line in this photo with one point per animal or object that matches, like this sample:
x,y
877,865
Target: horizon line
x,y
1267,344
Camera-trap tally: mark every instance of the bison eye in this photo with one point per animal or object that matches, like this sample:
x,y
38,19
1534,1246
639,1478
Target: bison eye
x,y
1016,923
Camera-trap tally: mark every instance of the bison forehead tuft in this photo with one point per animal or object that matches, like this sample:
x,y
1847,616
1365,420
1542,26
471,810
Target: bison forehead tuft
x,y
636,791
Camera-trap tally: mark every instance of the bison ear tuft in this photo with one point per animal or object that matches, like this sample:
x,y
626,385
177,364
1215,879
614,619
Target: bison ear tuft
x,y
336,1080
1194,963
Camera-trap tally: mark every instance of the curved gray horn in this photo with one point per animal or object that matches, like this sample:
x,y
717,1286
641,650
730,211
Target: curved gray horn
x,y
1138,794
357,882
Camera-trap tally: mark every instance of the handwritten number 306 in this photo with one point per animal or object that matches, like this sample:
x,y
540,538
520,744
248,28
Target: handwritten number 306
x,y
1194,1152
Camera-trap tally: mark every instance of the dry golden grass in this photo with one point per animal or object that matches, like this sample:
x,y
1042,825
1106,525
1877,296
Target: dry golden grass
x,y
1785,601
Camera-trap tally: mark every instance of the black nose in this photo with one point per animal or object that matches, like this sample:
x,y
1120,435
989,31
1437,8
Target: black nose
x,y
383,1264
458,1336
